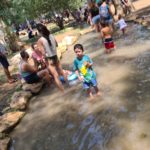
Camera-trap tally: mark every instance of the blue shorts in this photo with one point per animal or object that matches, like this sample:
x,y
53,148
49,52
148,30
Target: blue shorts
x,y
96,19
87,85
109,21
32,78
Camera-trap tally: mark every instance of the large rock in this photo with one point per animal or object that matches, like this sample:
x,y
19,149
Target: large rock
x,y
69,40
62,47
34,88
9,121
4,143
59,54
19,100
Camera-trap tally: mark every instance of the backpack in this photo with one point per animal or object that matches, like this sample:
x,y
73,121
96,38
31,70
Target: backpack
x,y
104,11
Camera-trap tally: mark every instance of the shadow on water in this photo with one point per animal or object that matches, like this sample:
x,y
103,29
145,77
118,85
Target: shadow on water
x,y
112,122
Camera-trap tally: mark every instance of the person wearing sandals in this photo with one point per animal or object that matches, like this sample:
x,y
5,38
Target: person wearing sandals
x,y
47,44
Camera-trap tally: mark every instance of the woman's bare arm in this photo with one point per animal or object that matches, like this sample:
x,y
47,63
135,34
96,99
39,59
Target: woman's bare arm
x,y
28,68
41,47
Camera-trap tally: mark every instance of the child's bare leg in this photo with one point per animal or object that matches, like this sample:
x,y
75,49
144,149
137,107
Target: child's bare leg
x,y
108,51
97,90
123,31
89,92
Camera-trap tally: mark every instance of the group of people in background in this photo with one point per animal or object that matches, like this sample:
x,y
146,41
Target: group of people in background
x,y
102,18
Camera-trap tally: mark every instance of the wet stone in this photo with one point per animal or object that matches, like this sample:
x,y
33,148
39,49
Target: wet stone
x,y
9,120
123,109
140,107
132,115
70,126
4,143
143,136
34,88
19,100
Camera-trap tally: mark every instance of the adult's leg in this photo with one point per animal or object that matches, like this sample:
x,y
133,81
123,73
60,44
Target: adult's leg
x,y
97,27
45,75
9,77
54,73
5,65
60,69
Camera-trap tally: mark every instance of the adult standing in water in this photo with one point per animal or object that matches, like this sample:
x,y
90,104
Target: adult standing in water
x,y
94,15
47,44
105,13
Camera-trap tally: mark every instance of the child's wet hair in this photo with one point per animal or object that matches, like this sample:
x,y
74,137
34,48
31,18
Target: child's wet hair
x,y
79,46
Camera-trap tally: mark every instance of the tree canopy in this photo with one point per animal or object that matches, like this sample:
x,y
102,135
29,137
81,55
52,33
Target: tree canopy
x,y
18,10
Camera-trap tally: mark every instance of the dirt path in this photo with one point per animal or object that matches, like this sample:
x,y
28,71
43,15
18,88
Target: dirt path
x,y
119,120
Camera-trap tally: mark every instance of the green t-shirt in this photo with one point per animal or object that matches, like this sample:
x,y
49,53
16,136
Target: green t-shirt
x,y
87,73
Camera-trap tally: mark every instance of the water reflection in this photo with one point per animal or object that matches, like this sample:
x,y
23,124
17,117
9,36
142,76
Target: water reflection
x,y
91,133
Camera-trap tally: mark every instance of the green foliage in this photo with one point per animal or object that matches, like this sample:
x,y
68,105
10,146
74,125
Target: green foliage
x,y
17,10
5,7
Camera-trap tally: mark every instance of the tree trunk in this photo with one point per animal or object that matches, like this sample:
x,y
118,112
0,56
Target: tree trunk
x,y
11,40
9,37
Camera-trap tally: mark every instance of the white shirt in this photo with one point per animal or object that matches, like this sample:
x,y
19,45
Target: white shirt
x,y
49,50
122,24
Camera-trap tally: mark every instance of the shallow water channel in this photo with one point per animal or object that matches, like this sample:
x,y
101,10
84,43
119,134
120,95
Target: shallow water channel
x,y
118,120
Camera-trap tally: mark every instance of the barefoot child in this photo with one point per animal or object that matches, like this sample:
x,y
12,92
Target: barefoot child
x,y
106,34
84,70
122,24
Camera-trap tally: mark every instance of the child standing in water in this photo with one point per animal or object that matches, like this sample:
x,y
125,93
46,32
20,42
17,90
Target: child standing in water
x,y
84,70
122,24
106,34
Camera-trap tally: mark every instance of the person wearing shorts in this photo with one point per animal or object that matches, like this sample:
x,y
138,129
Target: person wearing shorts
x,y
106,34
84,70
48,45
109,44
94,14
29,73
106,14
91,83
5,64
